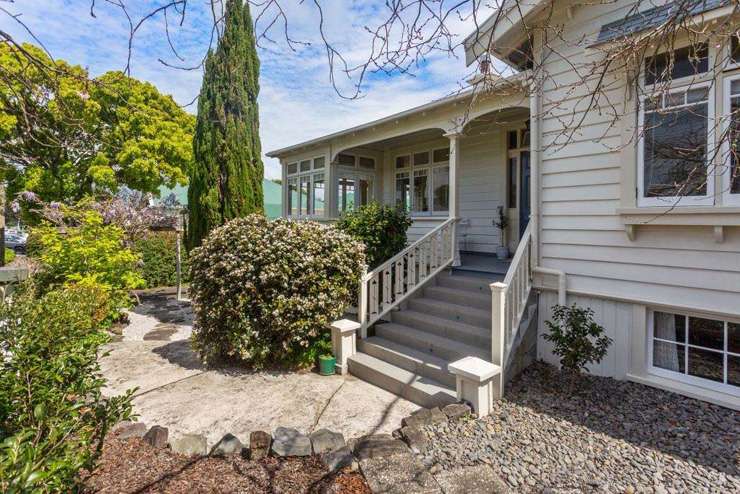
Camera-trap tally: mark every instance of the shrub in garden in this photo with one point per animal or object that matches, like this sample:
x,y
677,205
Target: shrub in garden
x,y
263,291
578,340
53,417
85,250
158,251
9,255
381,228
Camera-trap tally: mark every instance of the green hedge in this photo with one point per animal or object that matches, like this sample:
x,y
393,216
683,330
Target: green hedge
x,y
53,416
381,228
9,255
264,291
158,251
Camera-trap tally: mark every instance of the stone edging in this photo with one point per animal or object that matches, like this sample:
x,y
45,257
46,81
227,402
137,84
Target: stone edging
x,y
335,452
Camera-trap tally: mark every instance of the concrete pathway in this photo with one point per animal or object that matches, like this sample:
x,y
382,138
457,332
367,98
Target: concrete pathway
x,y
177,392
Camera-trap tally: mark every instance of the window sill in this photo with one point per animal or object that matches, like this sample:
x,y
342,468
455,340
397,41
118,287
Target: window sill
x,y
717,217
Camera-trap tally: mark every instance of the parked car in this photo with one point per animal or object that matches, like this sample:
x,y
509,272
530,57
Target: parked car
x,y
16,240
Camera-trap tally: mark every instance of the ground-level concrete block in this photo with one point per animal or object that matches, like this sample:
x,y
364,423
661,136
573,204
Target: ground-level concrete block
x,y
344,342
477,383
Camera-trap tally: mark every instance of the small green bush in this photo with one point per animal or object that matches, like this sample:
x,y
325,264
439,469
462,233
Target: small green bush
x,y
158,251
263,291
9,255
381,228
53,417
578,340
86,251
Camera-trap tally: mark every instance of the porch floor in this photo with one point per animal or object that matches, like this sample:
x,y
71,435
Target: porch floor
x,y
476,262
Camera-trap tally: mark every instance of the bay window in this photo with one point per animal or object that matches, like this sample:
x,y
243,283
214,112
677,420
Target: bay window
x,y
676,131
318,195
424,189
696,349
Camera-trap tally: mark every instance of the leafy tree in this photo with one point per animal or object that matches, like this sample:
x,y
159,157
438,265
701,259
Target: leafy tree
x,y
226,180
64,135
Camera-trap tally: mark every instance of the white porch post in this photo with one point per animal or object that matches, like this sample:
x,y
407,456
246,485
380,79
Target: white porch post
x,y
454,138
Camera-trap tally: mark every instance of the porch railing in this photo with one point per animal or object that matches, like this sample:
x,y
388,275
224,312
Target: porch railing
x,y
510,301
386,286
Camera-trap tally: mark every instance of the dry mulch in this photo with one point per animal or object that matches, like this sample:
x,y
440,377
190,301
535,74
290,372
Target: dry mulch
x,y
133,466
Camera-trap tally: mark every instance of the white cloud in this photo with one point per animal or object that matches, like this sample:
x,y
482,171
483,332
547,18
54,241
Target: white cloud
x,y
297,100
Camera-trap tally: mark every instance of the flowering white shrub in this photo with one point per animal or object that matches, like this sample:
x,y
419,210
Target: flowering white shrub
x,y
263,291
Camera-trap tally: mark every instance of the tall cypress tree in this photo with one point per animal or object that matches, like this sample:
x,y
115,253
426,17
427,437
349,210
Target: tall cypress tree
x,y
226,180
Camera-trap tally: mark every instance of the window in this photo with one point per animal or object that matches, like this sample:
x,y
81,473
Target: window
x,y
293,196
735,49
511,182
696,349
305,198
512,140
403,191
345,194
346,160
425,191
367,163
306,189
674,149
403,161
731,151
421,159
421,192
318,194
684,62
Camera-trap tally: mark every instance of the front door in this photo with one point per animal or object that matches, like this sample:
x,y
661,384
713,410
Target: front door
x,y
524,192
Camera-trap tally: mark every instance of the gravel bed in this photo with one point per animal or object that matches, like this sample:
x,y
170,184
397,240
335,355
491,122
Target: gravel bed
x,y
133,466
554,434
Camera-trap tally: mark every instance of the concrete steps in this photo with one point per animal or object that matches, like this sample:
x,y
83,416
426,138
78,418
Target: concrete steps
x,y
408,354
418,389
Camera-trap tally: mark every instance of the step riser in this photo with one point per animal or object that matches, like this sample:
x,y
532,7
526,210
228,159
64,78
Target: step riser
x,y
481,286
409,364
446,328
392,385
461,314
461,297
417,343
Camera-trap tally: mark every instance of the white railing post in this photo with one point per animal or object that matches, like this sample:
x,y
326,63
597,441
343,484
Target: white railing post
x,y
362,304
498,330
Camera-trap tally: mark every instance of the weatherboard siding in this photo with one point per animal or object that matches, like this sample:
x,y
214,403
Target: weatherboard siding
x,y
581,190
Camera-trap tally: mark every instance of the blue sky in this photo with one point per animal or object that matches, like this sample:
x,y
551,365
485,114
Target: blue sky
x,y
297,101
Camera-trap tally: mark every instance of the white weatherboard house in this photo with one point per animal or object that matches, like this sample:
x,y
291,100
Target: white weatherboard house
x,y
585,224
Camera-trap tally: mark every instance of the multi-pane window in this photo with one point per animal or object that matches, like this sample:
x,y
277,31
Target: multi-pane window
x,y
731,172
305,187
735,49
696,348
676,130
355,181
426,189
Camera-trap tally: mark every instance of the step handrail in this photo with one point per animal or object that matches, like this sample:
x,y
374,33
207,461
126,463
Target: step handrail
x,y
509,301
392,282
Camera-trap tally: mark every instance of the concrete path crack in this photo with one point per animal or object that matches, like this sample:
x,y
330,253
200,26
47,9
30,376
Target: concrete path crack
x,y
323,409
176,381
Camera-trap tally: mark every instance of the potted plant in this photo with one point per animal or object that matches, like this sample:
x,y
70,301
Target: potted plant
x,y
327,364
502,251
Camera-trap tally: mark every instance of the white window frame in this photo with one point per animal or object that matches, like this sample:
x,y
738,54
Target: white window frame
x,y
685,377
679,85
299,175
429,167
356,174
728,198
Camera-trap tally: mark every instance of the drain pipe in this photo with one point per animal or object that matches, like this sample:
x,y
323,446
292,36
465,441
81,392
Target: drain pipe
x,y
562,282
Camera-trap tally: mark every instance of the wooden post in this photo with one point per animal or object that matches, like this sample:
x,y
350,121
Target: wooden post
x,y
179,256
362,305
498,330
454,138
